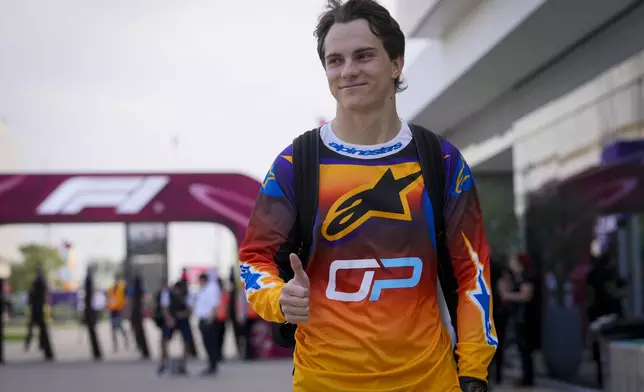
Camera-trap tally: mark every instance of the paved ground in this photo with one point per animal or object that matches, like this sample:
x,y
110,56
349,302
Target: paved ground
x,y
25,372
128,376
273,376
71,344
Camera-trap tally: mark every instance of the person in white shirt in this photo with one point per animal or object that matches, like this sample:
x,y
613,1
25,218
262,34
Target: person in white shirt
x,y
205,308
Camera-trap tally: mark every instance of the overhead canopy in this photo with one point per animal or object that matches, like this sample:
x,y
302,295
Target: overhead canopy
x,y
223,198
615,188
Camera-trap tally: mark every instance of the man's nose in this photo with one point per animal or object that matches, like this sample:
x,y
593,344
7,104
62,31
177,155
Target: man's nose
x,y
350,70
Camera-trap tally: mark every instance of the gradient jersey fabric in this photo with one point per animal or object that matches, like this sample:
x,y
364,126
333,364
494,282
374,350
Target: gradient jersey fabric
x,y
375,322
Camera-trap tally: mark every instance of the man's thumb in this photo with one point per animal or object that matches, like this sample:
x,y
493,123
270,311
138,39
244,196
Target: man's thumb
x,y
298,269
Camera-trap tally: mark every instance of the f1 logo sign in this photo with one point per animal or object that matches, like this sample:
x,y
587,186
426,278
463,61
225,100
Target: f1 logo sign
x,y
368,283
126,194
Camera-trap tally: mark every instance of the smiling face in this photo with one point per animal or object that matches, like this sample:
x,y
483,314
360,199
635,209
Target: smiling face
x,y
359,71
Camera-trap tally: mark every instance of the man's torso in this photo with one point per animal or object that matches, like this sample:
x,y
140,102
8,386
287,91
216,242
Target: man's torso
x,y
178,306
116,297
205,300
374,318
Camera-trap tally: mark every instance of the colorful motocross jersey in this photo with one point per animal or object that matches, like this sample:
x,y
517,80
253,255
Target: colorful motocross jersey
x,y
375,322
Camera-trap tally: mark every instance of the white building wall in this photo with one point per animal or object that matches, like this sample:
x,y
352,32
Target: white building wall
x,y
411,13
10,236
567,136
433,18
8,150
490,131
443,61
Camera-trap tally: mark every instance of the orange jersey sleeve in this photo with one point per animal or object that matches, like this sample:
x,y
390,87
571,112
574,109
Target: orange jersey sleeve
x,y
269,225
469,252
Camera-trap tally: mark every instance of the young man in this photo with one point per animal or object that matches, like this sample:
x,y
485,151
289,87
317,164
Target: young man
x,y
366,307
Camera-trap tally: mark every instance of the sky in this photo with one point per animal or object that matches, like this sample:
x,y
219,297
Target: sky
x,y
155,85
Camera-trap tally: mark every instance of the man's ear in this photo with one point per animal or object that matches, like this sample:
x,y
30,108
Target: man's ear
x,y
398,64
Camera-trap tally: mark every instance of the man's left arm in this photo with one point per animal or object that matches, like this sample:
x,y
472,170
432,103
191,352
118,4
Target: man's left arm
x,y
469,253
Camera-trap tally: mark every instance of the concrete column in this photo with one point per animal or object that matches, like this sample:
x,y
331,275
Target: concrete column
x,y
636,265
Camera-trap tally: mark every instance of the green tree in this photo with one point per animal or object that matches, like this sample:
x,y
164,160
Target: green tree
x,y
104,270
34,256
496,196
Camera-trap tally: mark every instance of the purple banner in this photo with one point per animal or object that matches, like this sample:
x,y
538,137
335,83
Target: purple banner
x,y
64,298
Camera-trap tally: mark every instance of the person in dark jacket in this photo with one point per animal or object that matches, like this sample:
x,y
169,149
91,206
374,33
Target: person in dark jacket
x,y
137,316
37,301
518,294
176,316
499,277
91,316
190,341
158,317
606,289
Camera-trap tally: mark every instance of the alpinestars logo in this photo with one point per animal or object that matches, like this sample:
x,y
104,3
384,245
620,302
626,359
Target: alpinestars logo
x,y
126,194
341,148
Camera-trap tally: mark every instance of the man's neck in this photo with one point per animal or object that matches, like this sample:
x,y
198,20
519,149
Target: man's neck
x,y
367,128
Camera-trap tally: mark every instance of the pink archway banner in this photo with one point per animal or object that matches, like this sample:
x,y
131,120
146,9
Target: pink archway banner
x,y
223,198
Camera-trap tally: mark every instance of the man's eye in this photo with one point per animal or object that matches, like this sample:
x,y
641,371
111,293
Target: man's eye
x,y
363,56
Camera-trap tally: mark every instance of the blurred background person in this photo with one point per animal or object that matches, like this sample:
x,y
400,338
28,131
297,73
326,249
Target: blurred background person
x,y
517,293
158,314
137,316
116,301
37,299
605,292
91,314
176,315
223,316
185,292
207,303
500,280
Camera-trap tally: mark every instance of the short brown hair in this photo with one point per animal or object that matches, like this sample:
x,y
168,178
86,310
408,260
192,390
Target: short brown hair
x,y
380,21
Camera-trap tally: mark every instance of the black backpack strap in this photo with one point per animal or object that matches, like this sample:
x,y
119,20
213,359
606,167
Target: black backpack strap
x,y
306,173
432,164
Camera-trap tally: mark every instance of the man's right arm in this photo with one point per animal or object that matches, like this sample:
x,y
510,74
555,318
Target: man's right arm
x,y
270,223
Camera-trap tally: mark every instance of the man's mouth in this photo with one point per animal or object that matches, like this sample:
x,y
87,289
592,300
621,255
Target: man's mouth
x,y
348,86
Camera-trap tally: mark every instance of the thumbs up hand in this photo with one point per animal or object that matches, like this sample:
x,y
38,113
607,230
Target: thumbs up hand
x,y
294,299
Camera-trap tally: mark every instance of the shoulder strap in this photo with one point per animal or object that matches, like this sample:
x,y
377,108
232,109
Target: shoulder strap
x,y
306,173
432,163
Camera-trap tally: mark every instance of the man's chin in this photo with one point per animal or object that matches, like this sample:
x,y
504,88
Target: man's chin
x,y
356,103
